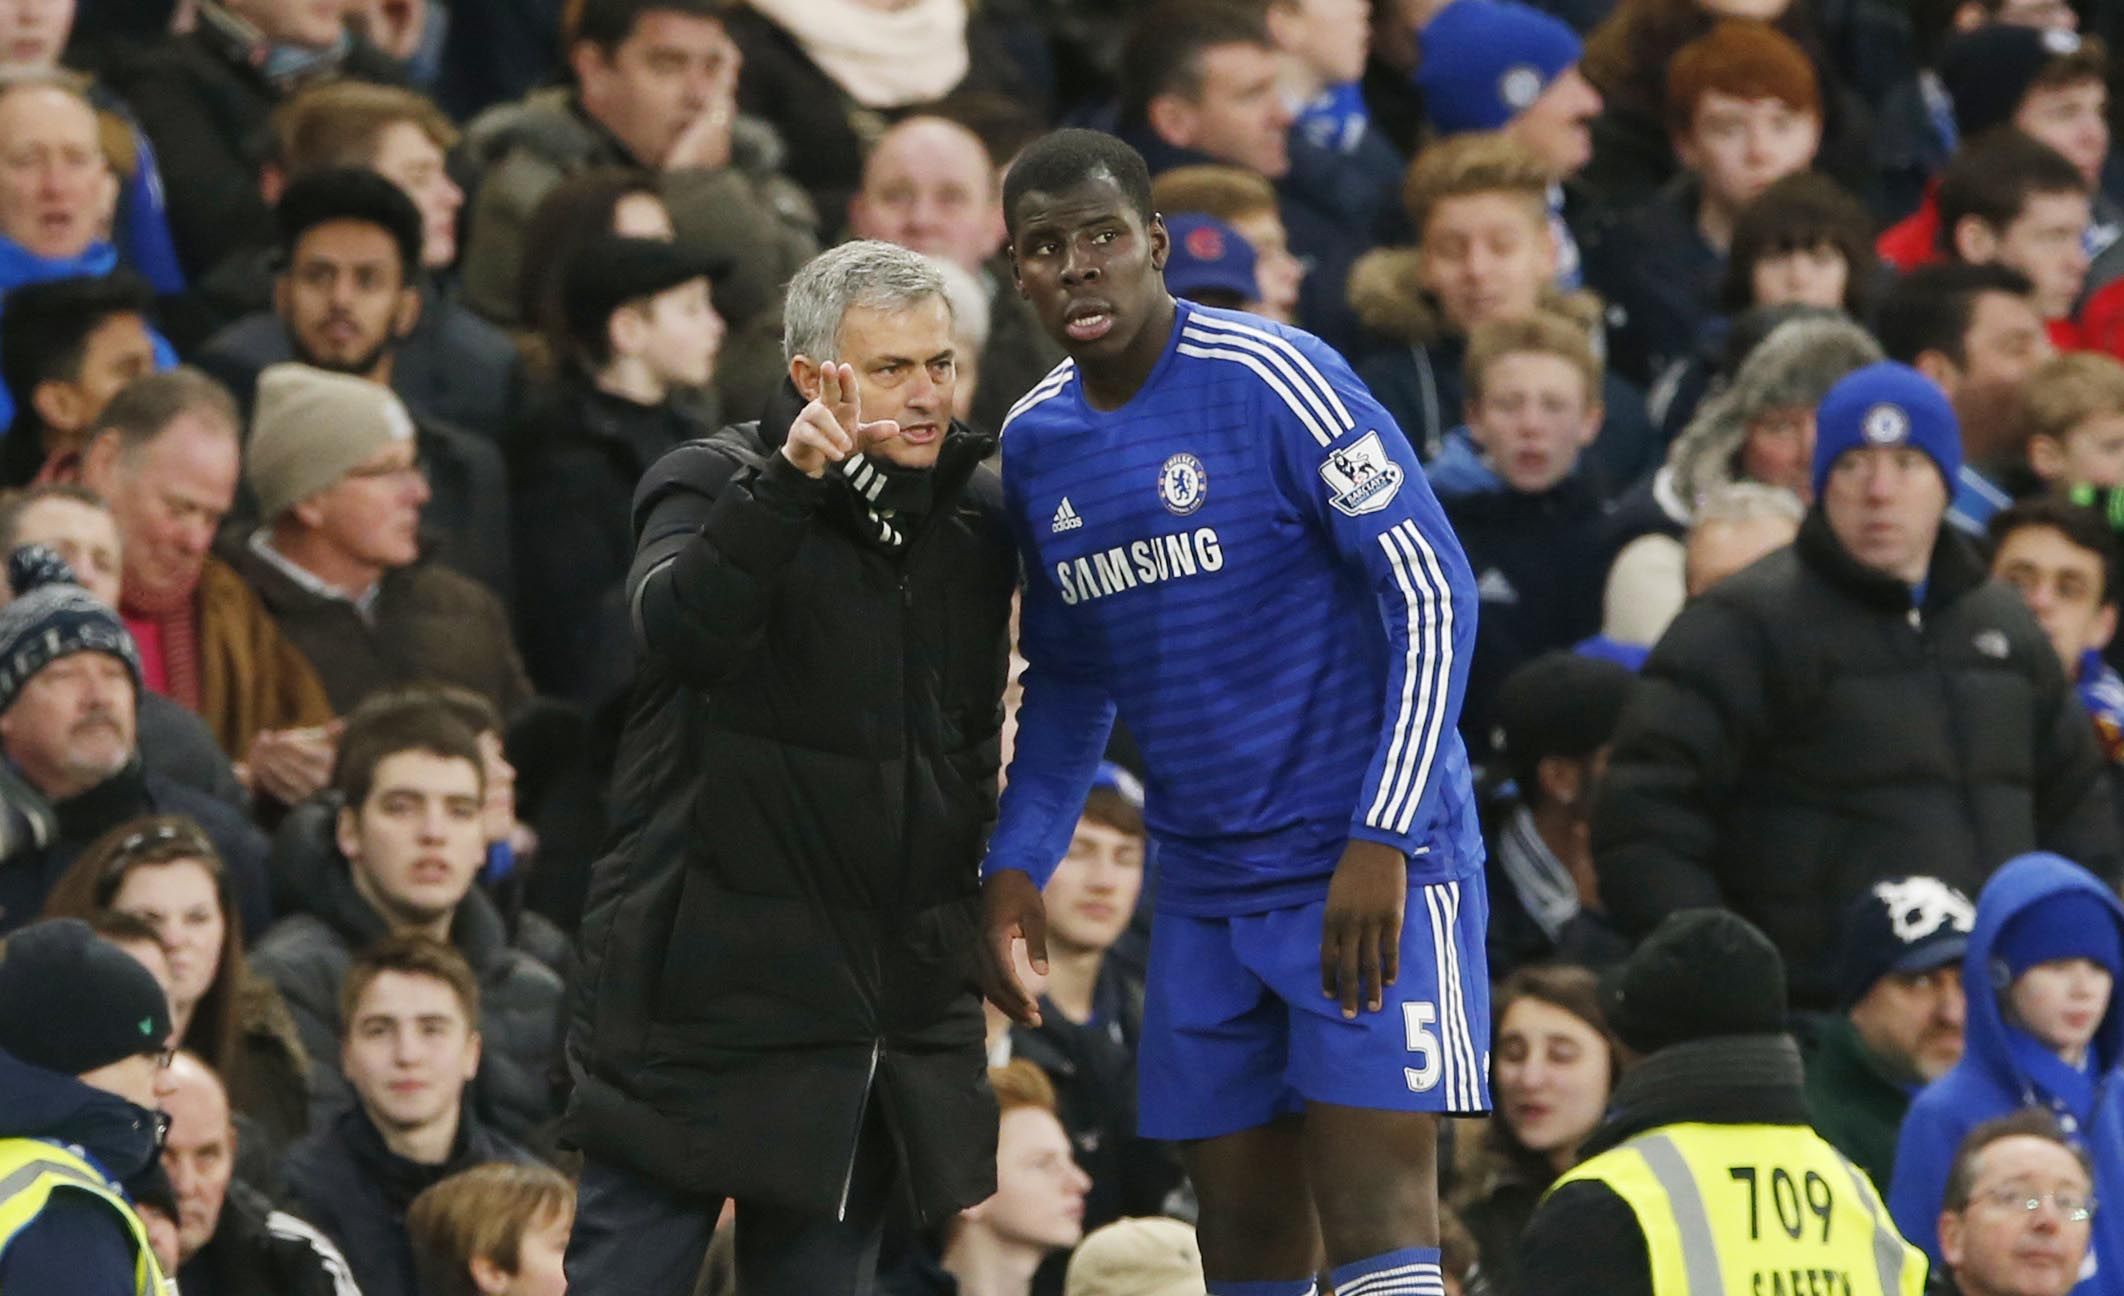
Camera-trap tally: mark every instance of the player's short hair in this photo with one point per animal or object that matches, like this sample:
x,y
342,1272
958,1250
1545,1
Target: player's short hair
x,y
340,124
1745,59
870,273
1930,308
2082,527
1227,193
1544,333
2067,390
1066,158
1480,162
482,1213
2028,1122
1992,177
1163,54
415,954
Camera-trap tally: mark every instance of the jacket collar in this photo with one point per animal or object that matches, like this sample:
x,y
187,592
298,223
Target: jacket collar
x,y
1955,569
1727,1080
119,1137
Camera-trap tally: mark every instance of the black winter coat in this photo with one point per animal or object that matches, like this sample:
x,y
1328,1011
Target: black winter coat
x,y
259,1251
785,932
1801,733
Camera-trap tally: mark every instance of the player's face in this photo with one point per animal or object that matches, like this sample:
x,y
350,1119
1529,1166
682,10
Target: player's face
x,y
1090,266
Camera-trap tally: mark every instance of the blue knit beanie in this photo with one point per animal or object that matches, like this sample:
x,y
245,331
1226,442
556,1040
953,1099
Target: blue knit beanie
x,y
1886,404
1484,62
53,617
2062,925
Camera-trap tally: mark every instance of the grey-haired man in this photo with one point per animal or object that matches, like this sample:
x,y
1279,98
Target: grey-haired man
x,y
778,1005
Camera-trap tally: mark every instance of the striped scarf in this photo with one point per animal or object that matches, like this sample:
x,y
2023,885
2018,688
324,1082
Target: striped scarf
x,y
892,499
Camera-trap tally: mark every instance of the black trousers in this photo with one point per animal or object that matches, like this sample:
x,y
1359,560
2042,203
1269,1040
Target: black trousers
x,y
635,1238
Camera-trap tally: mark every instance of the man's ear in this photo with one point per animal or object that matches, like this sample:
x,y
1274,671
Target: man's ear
x,y
804,375
60,405
1161,242
1951,1238
1174,119
2105,626
346,833
1973,241
99,463
1944,372
490,1278
626,330
2046,458
407,315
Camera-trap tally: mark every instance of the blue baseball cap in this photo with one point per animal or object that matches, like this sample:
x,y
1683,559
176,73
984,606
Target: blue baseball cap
x,y
1208,256
1483,62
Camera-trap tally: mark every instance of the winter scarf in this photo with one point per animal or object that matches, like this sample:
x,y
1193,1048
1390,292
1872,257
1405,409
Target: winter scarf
x,y
882,58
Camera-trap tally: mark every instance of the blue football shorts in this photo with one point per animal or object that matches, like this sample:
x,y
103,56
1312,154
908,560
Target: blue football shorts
x,y
1236,1031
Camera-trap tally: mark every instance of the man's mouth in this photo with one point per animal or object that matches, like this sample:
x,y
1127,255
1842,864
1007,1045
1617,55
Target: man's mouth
x,y
919,433
1088,321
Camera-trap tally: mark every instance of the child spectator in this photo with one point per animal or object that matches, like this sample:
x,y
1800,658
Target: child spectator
x,y
1479,206
1803,241
1555,1066
2009,200
2073,416
1038,1207
2063,559
2043,1028
493,1230
1246,202
1527,517
1743,110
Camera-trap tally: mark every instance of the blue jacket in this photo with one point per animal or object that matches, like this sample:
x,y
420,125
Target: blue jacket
x,y
76,1244
2002,1068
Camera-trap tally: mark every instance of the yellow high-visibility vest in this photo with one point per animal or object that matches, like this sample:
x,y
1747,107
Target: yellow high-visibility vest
x,y
31,1170
1756,1210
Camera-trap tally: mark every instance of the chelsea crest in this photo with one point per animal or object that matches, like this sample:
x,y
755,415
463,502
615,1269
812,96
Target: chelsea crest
x,y
1183,483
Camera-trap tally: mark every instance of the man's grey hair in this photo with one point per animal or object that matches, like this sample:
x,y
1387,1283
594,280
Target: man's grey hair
x,y
868,273
970,321
49,78
146,406
1748,502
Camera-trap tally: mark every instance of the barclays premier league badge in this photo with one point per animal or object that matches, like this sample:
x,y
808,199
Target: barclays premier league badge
x,y
1361,477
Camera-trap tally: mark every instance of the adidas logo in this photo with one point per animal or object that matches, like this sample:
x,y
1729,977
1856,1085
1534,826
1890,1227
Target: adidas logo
x,y
1066,518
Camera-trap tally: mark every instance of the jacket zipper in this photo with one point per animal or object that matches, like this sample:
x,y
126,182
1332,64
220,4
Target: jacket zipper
x,y
855,1144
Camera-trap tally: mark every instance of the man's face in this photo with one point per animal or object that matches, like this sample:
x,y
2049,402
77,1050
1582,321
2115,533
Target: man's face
x,y
408,158
1277,274
1913,1021
1716,550
372,515
1809,276
906,365
1740,147
1092,895
656,82
32,32
2073,119
1236,115
1089,265
71,726
2063,585
929,186
200,1152
1884,504
2004,344
113,354
1777,449
1995,1245
2046,243
1039,1200
312,24
1558,126
1486,256
1332,38
419,838
1534,417
345,298
57,190
168,497
681,335
82,534
409,1051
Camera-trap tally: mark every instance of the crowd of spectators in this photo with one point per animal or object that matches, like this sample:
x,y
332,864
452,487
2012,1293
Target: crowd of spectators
x,y
1767,357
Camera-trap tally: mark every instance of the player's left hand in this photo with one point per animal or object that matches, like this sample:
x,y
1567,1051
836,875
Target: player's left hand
x,y
1360,941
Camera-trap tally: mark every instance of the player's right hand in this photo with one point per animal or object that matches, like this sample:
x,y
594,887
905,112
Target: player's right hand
x,y
1011,910
831,428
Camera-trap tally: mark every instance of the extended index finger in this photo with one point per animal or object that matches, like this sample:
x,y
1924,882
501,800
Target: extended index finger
x,y
849,407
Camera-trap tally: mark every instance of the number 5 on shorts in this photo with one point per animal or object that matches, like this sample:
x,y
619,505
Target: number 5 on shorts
x,y
1418,1018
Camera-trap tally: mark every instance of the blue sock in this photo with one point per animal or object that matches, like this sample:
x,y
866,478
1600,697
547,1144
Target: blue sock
x,y
1411,1271
1296,1287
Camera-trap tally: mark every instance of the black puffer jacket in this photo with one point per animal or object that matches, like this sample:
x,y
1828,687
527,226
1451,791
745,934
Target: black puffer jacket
x,y
786,928
1801,733
306,956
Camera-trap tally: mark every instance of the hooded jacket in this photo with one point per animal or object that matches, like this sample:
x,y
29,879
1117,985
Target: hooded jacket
x,y
1802,731
307,955
2002,1067
1416,373
77,1244
782,938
